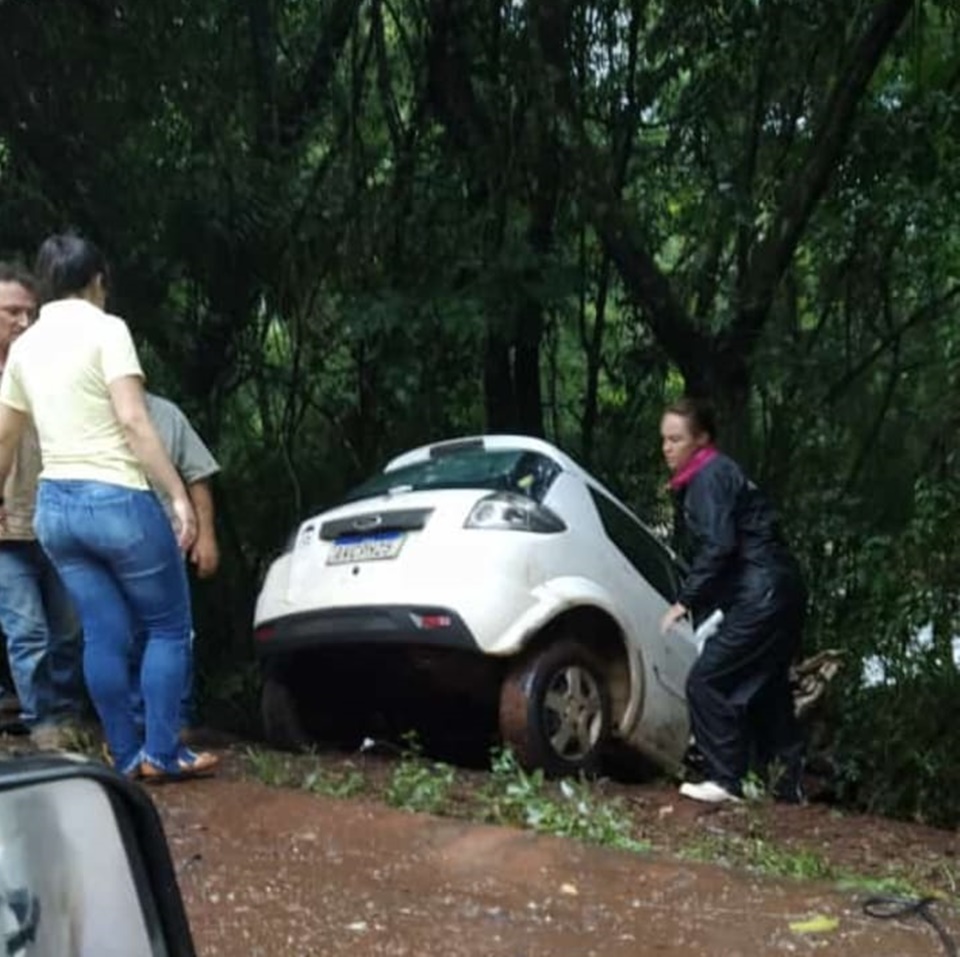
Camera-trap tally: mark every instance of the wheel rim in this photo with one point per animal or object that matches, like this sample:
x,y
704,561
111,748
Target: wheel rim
x,y
573,713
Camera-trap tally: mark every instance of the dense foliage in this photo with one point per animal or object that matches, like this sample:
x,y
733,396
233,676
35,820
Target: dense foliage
x,y
344,227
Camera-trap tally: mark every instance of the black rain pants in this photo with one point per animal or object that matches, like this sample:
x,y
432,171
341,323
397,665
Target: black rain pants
x,y
738,692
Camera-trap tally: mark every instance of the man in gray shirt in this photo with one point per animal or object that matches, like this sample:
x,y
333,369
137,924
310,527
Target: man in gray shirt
x,y
197,466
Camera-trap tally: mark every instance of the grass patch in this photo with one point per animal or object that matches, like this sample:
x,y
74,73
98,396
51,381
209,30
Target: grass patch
x,y
332,784
763,857
509,795
417,784
894,886
273,768
279,770
759,855
567,809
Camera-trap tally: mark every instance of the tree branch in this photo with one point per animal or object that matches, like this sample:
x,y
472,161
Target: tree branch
x,y
801,194
925,313
449,87
384,83
334,31
263,44
645,281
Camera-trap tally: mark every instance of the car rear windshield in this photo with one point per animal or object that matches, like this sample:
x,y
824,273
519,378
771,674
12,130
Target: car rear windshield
x,y
509,470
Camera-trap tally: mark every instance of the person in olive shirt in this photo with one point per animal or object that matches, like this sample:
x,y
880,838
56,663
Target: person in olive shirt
x,y
41,629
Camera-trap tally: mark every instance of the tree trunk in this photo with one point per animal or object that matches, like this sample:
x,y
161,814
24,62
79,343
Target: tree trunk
x,y
500,401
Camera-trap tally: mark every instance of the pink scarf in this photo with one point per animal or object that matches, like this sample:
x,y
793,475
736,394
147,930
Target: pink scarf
x,y
696,462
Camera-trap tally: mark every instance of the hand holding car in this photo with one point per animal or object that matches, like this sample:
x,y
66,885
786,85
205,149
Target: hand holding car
x,y
673,614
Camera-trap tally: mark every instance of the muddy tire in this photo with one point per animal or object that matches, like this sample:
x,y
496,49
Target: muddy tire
x,y
555,709
282,724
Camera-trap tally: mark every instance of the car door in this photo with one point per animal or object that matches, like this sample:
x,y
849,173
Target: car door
x,y
669,657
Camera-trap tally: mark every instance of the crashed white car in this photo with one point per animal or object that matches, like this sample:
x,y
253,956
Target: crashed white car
x,y
487,575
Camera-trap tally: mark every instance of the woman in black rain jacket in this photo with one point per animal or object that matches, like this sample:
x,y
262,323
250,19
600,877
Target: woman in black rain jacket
x,y
738,692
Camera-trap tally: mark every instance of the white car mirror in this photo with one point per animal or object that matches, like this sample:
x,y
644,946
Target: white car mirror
x,y
84,865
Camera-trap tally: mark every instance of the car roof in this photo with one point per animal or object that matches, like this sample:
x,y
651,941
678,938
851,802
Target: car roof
x,y
524,443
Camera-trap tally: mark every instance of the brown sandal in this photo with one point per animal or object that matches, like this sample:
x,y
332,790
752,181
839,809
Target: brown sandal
x,y
190,764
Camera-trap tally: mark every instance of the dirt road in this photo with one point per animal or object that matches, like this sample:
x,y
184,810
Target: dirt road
x,y
281,873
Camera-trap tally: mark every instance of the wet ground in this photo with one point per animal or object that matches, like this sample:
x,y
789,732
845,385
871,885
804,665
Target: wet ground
x,y
271,871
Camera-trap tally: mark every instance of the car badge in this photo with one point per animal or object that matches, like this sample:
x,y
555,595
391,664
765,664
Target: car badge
x,y
368,521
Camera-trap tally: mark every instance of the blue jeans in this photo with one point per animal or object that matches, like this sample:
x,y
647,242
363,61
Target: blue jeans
x,y
136,663
115,551
44,645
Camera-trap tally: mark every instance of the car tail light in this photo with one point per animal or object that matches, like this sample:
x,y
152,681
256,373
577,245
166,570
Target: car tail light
x,y
509,511
430,622
264,632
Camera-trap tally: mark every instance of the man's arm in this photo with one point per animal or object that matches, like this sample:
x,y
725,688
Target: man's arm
x,y
126,395
197,466
205,553
13,418
12,422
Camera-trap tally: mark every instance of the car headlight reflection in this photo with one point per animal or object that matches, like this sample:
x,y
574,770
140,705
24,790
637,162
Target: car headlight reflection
x,y
509,511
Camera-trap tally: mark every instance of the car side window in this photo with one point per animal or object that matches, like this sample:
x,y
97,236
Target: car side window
x,y
638,546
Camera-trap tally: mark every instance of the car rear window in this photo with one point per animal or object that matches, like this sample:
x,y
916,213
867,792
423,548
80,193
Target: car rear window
x,y
500,470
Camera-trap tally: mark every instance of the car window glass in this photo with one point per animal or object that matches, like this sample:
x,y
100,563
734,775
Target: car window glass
x,y
506,470
638,546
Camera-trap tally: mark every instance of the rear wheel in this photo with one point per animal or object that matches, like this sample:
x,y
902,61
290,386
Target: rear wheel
x,y
555,709
283,725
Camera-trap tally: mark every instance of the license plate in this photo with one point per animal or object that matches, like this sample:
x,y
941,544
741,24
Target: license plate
x,y
365,548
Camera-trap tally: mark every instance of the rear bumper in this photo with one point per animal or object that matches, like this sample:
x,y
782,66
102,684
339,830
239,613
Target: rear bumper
x,y
381,625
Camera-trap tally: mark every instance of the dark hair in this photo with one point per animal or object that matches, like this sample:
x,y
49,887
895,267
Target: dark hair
x,y
66,264
698,413
14,272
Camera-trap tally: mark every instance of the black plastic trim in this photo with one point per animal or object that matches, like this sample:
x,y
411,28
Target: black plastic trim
x,y
365,625
454,446
401,520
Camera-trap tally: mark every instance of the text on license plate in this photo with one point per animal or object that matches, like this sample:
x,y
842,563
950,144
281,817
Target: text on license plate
x,y
365,548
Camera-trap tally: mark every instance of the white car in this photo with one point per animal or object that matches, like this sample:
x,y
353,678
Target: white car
x,y
504,574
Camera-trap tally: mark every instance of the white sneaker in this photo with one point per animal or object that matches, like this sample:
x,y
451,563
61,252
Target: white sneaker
x,y
709,792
